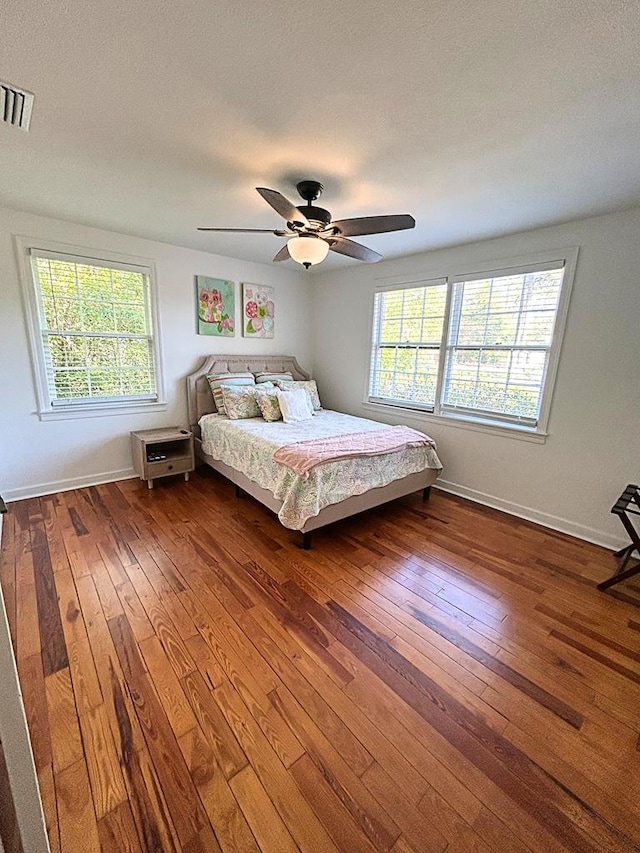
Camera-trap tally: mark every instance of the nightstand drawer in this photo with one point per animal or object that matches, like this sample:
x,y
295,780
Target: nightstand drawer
x,y
169,466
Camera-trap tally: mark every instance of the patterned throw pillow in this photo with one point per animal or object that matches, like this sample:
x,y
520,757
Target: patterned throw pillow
x,y
268,403
240,403
219,401
267,376
217,380
309,385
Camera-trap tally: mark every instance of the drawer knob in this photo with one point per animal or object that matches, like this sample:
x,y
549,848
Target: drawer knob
x,y
170,467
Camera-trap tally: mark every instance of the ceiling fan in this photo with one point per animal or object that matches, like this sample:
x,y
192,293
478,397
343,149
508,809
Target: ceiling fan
x,y
312,233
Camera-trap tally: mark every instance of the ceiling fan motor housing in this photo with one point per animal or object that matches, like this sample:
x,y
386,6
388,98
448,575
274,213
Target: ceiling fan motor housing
x,y
317,217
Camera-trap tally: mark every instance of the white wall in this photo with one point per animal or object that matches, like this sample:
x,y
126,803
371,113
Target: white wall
x,y
39,457
593,448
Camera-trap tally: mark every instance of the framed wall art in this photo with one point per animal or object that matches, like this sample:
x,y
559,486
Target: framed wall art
x,y
216,306
258,310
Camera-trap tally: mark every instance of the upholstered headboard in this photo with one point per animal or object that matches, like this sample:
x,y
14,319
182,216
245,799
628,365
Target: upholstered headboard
x,y
199,397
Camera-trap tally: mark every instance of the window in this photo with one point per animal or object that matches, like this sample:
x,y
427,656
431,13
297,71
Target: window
x,y
92,324
407,335
480,347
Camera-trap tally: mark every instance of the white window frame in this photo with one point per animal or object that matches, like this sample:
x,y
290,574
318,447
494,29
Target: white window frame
x,y
472,420
102,408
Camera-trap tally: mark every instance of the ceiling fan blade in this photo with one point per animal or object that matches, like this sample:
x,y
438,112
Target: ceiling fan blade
x,y
277,232
283,254
282,205
354,250
373,224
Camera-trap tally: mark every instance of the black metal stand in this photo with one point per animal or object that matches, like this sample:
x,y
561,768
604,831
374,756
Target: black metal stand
x,y
426,493
627,504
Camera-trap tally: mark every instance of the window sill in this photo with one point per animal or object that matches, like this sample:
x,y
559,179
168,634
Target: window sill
x,y
101,411
536,436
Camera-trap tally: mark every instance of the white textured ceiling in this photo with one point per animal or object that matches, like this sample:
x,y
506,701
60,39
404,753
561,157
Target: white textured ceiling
x,y
479,118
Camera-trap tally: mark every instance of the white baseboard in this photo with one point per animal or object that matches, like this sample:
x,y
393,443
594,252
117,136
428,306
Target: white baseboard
x,y
40,489
563,525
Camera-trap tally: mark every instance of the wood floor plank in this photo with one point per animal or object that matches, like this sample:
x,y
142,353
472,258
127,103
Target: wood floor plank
x,y
8,554
34,697
339,823
231,828
77,818
52,641
303,825
172,696
183,802
265,822
27,628
418,831
117,831
367,813
429,677
66,742
84,677
47,787
520,780
226,749
105,658
103,761
519,681
281,651
148,805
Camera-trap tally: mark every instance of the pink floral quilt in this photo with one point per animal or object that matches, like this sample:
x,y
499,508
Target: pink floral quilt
x,y
303,456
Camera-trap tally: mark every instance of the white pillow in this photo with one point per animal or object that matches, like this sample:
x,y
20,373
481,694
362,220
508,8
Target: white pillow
x,y
295,405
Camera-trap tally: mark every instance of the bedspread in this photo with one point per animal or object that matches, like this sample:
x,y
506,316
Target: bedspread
x,y
302,456
249,445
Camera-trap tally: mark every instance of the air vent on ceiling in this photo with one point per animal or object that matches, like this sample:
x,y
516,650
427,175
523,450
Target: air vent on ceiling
x,y
15,105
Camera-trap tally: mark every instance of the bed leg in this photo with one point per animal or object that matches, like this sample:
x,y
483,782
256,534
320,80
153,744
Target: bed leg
x,y
238,492
426,493
306,540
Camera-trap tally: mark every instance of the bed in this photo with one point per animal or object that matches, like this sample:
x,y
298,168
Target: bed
x,y
242,450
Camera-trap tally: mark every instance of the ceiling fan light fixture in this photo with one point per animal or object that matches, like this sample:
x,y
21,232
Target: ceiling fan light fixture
x,y
308,249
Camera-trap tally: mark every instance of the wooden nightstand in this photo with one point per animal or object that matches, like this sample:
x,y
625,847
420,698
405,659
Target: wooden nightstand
x,y
173,448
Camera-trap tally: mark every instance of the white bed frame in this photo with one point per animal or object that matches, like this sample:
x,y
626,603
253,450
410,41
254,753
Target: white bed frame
x,y
200,402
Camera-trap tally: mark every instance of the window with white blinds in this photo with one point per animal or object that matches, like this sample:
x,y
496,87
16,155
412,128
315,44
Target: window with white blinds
x,y
96,342
499,342
407,336
481,347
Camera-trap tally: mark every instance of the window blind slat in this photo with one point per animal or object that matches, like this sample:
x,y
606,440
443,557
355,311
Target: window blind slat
x,y
509,271
88,261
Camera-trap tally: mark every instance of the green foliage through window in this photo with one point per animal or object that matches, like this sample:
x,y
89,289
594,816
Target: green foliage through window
x,y
96,331
498,342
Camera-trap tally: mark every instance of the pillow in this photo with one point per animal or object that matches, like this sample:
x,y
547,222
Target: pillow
x,y
268,403
295,405
308,384
267,376
217,380
219,400
240,403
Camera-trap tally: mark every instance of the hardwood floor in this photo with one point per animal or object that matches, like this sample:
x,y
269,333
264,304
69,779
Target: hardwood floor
x,y
430,677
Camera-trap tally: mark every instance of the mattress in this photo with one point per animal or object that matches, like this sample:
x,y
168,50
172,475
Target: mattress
x,y
248,446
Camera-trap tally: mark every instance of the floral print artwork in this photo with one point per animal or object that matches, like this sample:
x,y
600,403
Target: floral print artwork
x,y
216,306
258,311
